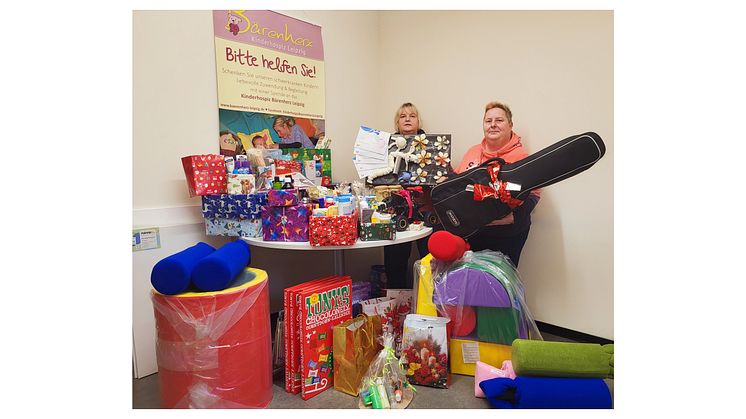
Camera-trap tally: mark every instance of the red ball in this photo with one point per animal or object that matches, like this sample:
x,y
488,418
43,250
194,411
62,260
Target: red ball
x,y
464,325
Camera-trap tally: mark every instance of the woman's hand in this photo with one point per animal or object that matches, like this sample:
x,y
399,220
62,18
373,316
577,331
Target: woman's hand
x,y
508,219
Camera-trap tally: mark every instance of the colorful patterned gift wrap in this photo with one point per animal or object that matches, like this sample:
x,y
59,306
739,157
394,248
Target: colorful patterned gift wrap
x,y
377,231
282,197
236,207
289,224
256,202
322,162
338,230
240,183
205,174
286,167
225,206
236,228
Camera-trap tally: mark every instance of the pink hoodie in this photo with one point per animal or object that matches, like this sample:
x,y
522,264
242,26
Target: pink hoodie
x,y
511,152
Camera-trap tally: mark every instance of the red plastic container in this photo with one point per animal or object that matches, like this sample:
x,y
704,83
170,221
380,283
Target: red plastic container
x,y
215,348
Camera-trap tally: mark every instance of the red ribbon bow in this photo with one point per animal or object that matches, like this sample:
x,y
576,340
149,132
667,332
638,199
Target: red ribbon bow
x,y
482,192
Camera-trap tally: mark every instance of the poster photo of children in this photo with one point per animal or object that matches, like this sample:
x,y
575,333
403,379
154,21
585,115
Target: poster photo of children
x,y
241,131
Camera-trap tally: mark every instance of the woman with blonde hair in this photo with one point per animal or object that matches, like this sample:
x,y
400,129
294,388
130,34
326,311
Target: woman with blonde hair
x,y
291,135
407,121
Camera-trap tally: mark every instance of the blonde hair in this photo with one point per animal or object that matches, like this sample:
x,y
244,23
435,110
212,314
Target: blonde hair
x,y
495,104
406,105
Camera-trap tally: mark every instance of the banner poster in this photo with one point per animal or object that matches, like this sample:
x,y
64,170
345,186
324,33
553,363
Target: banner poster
x,y
270,78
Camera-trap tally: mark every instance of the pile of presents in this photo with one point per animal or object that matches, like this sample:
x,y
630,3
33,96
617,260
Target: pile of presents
x,y
286,195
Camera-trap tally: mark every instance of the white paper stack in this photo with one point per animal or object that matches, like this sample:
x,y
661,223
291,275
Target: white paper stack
x,y
371,151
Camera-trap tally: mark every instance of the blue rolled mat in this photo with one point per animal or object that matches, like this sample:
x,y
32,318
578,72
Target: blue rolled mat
x,y
547,393
216,271
172,274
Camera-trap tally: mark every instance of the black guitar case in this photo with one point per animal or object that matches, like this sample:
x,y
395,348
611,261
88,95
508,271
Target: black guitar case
x,y
461,214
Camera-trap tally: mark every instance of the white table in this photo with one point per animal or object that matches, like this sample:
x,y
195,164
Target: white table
x,y
339,259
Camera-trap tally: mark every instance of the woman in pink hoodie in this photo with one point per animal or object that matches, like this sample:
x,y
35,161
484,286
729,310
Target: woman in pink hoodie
x,y
508,234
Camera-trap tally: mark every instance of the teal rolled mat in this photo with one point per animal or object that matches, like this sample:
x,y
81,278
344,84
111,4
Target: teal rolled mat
x,y
562,359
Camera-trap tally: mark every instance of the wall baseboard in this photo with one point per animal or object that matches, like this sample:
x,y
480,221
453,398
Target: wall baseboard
x,y
571,334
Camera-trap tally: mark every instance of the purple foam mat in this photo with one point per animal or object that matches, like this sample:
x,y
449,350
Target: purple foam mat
x,y
471,287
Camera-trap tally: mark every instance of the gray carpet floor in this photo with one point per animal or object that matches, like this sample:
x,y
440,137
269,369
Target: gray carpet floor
x,y
460,394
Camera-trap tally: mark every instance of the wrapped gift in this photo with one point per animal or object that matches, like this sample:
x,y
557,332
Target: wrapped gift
x,y
322,163
286,167
338,230
236,207
240,183
256,202
205,174
288,224
219,226
282,197
377,231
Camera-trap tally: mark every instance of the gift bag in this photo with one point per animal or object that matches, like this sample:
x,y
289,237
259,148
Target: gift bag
x,y
425,350
392,308
205,174
355,346
386,308
402,306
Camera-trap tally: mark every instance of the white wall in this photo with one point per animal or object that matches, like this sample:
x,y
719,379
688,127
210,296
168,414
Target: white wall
x,y
553,68
175,114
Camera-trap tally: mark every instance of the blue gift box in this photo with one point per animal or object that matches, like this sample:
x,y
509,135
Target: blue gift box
x,y
233,206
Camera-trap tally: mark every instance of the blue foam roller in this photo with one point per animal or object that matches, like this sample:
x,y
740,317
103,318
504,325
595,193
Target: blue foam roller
x,y
173,274
216,271
547,393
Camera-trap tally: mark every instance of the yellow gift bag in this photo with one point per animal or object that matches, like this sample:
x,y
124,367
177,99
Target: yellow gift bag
x,y
355,346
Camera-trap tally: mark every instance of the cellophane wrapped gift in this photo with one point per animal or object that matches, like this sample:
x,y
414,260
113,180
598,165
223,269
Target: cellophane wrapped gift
x,y
355,346
282,197
385,385
337,230
484,297
425,350
205,174
288,224
377,231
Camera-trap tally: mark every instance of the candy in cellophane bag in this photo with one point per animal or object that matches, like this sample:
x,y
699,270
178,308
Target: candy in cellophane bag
x,y
385,385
